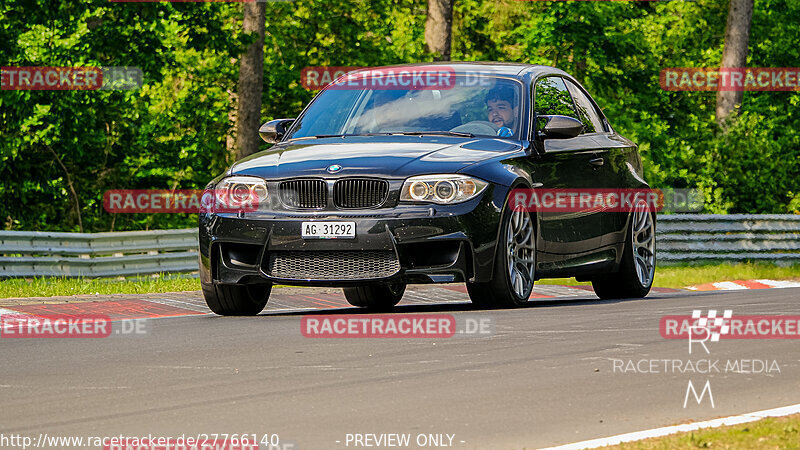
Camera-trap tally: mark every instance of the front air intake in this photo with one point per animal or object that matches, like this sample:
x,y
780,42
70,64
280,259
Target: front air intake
x,y
332,265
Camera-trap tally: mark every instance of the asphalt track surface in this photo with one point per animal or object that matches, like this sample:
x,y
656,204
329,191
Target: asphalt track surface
x,y
543,377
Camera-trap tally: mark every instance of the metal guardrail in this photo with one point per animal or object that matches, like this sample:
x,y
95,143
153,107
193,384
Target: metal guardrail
x,y
32,253
680,238
704,238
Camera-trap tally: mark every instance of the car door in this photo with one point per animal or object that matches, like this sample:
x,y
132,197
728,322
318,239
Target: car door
x,y
618,154
568,237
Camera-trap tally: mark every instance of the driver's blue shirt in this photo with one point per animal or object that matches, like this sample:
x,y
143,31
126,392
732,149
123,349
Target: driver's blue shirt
x,y
505,132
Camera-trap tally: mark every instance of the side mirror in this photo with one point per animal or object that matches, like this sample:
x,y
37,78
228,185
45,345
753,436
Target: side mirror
x,y
560,127
274,130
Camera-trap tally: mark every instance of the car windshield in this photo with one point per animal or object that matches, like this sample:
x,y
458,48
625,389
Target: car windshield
x,y
464,105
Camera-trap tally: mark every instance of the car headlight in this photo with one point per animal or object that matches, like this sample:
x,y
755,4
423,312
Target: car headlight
x,y
441,189
241,192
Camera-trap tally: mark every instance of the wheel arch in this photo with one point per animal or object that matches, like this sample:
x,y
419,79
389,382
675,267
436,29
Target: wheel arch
x,y
521,182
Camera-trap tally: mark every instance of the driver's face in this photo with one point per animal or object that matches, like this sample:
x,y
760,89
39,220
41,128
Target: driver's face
x,y
501,113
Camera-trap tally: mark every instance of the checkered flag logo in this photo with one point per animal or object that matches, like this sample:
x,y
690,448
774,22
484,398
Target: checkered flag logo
x,y
715,325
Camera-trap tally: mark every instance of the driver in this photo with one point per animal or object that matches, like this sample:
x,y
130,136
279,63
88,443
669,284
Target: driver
x,y
502,110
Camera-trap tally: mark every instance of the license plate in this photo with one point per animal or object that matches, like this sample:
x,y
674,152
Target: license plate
x,y
329,230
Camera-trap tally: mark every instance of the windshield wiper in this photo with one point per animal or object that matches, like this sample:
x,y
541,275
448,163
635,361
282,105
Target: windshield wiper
x,y
437,133
323,136
398,133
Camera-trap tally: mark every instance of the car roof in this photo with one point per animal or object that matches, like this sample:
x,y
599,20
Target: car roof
x,y
512,69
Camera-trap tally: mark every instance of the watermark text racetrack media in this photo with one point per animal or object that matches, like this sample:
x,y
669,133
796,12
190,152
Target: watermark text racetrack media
x,y
702,333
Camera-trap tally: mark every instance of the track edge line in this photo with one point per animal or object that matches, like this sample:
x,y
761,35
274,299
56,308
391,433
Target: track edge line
x,y
665,431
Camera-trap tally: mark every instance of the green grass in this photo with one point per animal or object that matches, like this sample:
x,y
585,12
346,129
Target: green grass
x,y
683,276
770,433
674,277
48,287
690,276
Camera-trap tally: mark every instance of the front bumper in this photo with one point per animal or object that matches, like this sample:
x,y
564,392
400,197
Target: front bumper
x,y
407,243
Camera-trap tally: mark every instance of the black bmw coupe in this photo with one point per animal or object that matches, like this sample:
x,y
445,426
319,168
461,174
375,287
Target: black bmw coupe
x,y
427,174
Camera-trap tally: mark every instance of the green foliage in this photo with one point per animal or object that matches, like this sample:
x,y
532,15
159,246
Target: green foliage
x,y
171,133
175,131
617,50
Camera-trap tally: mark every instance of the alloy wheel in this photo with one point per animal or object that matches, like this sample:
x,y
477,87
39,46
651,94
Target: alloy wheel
x,y
521,253
644,243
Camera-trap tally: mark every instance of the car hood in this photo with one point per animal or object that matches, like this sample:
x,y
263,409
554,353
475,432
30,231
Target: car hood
x,y
390,156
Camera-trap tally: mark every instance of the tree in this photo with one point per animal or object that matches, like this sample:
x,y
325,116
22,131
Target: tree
x,y
251,76
734,55
439,28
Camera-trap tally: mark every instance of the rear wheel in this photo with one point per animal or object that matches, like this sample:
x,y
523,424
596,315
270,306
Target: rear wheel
x,y
375,297
236,299
638,265
514,265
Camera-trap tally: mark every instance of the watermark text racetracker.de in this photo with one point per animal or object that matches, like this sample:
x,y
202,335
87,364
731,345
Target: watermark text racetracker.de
x,y
730,327
395,326
44,78
86,326
607,200
317,77
382,78
440,77
202,441
191,201
730,79
241,197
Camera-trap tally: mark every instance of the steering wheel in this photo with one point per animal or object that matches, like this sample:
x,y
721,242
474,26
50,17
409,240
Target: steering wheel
x,y
477,127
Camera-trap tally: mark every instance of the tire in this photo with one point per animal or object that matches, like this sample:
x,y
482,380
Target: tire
x,y
235,299
375,297
637,268
509,289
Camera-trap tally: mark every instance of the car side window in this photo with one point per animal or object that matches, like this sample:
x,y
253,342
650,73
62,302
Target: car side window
x,y
588,114
551,97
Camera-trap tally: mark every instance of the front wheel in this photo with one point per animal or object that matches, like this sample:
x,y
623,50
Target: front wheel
x,y
514,265
638,265
375,297
236,299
